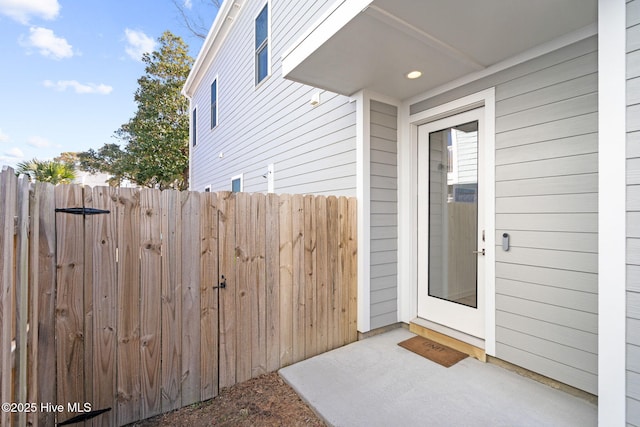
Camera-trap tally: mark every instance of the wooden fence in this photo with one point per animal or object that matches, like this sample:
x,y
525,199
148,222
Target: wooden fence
x,y
125,310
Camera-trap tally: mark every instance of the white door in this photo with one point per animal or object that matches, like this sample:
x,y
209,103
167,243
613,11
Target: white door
x,y
451,229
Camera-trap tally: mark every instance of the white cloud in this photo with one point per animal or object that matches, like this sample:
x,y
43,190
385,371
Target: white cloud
x,y
11,157
38,142
48,43
22,10
14,153
138,43
80,88
188,4
3,136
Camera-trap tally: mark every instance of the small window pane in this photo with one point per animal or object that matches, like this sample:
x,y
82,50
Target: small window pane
x,y
193,127
262,64
214,104
236,185
261,27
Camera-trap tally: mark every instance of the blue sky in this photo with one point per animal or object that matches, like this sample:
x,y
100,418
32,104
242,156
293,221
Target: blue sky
x,y
69,69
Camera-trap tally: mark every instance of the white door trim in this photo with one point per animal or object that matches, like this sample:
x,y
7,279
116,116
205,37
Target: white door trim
x,y
408,193
612,125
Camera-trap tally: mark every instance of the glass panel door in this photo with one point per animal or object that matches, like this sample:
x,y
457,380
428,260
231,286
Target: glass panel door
x,y
453,214
451,222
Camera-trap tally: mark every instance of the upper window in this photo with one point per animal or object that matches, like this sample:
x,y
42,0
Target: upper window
x,y
214,103
262,44
193,127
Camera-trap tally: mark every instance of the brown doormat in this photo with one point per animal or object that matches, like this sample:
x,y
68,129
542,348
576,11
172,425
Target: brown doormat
x,y
433,351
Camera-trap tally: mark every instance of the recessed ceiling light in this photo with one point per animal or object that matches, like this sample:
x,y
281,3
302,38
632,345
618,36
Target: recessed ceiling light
x,y
414,74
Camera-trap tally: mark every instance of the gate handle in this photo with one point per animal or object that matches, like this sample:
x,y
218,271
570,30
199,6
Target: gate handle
x,y
222,284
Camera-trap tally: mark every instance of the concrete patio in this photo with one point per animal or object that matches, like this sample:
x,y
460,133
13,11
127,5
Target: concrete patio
x,y
374,382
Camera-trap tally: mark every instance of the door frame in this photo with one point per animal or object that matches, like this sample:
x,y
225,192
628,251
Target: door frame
x,y
408,206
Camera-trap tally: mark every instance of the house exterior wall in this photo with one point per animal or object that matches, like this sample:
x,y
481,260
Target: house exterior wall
x,y
312,148
633,213
384,214
546,199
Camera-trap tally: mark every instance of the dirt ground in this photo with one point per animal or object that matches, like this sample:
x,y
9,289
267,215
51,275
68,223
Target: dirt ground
x,y
264,401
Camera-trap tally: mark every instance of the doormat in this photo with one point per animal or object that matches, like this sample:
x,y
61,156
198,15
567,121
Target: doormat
x,y
433,351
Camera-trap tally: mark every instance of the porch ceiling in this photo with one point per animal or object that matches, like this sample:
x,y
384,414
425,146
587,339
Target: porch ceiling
x,y
373,44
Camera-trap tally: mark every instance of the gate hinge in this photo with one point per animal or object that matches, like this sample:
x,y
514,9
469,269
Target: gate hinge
x,y
83,211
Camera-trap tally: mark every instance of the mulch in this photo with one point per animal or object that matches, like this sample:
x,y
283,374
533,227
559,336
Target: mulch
x,y
264,401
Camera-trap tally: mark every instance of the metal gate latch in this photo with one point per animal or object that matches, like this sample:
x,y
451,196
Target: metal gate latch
x,y
222,284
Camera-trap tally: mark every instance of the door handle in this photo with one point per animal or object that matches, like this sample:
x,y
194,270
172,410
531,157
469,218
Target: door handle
x,y
479,252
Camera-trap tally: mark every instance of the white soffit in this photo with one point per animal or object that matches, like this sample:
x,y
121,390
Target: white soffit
x,y
225,18
358,46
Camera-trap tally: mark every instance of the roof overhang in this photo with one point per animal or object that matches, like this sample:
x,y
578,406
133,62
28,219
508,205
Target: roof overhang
x,y
374,44
215,38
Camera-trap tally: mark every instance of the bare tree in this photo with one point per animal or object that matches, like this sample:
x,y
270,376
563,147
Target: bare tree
x,y
197,18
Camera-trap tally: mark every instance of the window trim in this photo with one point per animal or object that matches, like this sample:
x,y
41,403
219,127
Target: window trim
x,y
241,178
214,123
265,44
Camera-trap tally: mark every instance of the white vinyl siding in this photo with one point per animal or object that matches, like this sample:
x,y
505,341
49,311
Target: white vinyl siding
x,y
633,214
313,149
546,199
384,215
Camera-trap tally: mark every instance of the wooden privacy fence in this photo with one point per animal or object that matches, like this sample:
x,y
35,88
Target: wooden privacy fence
x,y
127,310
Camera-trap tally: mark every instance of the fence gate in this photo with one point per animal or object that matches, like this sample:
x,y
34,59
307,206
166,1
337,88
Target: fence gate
x,y
162,297
136,314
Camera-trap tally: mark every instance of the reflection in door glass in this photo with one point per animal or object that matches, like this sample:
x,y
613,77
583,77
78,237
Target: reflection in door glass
x,y
453,214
